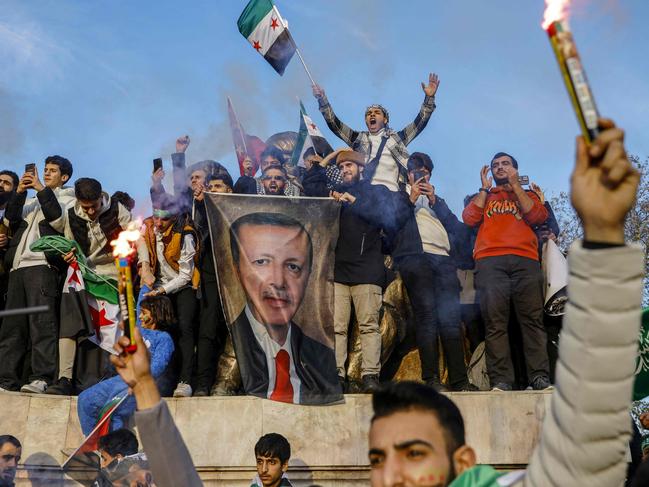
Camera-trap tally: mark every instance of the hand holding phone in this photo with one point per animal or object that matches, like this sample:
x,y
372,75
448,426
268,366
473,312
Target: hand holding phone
x,y
157,164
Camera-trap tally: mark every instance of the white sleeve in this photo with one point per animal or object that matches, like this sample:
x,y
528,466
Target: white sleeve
x,y
586,430
185,266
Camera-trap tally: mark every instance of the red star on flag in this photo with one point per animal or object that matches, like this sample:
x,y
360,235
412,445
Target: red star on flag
x,y
74,277
273,23
256,45
313,127
99,318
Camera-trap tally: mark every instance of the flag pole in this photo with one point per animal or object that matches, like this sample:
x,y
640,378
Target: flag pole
x,y
236,117
297,49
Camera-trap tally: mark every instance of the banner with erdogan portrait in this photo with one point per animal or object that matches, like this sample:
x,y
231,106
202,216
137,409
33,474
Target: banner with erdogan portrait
x,y
274,259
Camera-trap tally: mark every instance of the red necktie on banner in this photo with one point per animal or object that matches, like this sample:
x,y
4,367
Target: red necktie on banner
x,y
283,390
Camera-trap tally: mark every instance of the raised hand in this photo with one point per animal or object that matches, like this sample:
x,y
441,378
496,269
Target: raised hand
x,y
486,180
157,177
25,182
433,83
603,184
182,143
427,190
318,92
512,177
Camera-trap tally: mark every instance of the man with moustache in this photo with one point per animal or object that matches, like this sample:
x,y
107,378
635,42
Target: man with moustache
x,y
359,273
8,184
508,270
385,150
273,256
273,180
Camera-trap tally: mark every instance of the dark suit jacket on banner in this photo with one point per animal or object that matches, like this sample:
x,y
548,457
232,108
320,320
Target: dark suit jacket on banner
x,y
315,364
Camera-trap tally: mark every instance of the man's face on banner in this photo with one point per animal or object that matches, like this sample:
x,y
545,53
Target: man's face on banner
x,y
274,270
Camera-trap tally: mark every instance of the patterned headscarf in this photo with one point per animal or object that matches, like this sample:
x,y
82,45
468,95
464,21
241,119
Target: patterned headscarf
x,y
380,107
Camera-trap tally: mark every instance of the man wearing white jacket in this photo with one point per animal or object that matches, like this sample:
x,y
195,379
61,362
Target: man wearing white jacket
x,y
33,279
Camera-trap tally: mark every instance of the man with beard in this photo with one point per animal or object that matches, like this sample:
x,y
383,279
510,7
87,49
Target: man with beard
x,y
8,184
359,273
508,270
385,150
273,180
417,436
10,453
273,255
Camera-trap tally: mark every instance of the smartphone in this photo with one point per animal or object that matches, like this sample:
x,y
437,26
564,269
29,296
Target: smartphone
x,y
31,167
157,164
417,175
524,180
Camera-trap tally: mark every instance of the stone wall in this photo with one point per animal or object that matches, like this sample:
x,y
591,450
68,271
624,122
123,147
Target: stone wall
x,y
329,443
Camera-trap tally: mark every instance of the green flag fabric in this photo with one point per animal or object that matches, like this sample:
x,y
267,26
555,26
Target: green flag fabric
x,y
102,288
487,476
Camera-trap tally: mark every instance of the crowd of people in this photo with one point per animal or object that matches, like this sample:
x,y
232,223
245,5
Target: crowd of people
x,y
389,206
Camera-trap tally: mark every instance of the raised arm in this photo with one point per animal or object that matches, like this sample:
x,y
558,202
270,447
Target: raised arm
x,y
589,410
345,133
473,214
413,129
159,434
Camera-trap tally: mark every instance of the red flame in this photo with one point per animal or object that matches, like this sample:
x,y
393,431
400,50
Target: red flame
x,y
122,246
555,10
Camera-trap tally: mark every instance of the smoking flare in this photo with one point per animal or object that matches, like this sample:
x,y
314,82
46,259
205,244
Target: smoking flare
x,y
123,245
555,10
122,249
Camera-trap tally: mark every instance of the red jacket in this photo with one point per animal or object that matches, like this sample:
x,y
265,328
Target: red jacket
x,y
504,229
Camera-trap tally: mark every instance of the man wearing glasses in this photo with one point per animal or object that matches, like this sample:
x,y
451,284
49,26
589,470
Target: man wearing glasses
x,y
273,180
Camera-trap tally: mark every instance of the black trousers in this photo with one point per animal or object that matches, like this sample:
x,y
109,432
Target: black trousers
x,y
506,281
434,292
30,286
212,329
185,305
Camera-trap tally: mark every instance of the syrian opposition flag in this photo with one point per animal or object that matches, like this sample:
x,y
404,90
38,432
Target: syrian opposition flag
x,y
308,136
268,33
85,455
244,145
89,310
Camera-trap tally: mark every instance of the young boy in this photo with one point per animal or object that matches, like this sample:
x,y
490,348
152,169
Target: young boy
x,y
272,453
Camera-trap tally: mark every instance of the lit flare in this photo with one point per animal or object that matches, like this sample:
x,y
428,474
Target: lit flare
x,y
555,10
123,245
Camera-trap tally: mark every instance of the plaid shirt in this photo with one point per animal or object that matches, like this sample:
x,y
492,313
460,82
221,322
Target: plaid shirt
x,y
397,142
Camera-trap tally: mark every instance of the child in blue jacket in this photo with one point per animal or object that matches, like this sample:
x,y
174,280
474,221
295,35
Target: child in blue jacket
x,y
156,316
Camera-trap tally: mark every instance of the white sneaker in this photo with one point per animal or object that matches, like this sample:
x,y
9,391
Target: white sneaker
x,y
183,390
35,387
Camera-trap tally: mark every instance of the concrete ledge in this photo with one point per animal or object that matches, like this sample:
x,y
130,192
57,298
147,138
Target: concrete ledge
x,y
329,443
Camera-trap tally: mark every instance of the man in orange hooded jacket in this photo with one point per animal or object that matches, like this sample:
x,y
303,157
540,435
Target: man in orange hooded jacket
x,y
508,271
